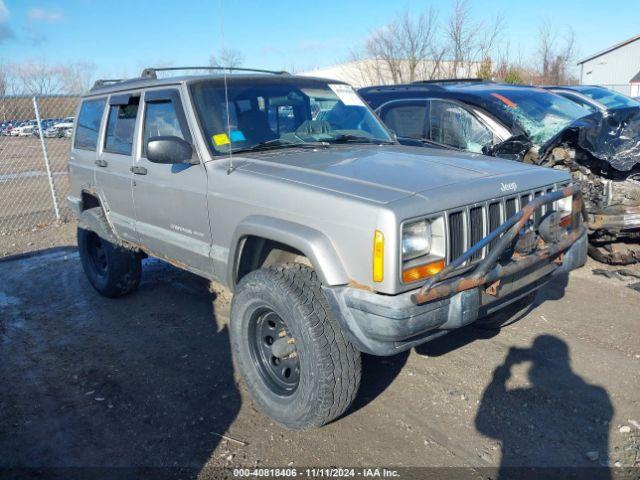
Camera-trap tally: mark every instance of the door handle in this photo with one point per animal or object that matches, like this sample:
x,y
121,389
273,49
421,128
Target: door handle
x,y
101,163
139,170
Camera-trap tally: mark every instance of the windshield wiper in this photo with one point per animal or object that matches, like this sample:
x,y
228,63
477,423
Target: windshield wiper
x,y
349,137
278,143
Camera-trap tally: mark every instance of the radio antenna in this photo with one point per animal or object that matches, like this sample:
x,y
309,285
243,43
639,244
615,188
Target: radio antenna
x,y
226,89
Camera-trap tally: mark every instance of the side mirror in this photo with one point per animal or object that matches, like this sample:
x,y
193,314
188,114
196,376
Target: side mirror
x,y
169,149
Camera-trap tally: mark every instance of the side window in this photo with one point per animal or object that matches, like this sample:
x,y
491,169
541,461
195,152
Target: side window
x,y
161,119
88,125
450,124
580,101
120,127
406,120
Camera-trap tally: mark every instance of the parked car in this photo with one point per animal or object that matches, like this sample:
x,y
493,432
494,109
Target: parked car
x,y
532,125
334,238
15,131
5,129
53,132
27,131
65,123
595,98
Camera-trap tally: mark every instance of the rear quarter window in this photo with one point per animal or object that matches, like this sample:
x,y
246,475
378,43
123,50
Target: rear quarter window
x,y
88,126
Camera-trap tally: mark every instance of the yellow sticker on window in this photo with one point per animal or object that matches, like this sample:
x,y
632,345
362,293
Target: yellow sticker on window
x,y
221,139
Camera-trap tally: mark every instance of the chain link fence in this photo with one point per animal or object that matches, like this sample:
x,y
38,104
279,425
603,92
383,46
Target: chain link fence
x,y
35,136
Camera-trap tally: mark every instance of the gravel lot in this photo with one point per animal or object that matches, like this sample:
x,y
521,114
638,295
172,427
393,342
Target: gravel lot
x,y
147,381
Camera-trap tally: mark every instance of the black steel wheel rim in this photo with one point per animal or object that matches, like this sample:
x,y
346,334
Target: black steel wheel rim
x,y
97,254
280,373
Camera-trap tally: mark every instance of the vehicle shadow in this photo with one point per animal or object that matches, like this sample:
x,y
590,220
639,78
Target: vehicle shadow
x,y
549,420
143,381
378,373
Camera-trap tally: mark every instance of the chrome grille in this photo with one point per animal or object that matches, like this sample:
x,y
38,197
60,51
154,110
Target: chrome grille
x,y
495,219
468,226
456,234
476,228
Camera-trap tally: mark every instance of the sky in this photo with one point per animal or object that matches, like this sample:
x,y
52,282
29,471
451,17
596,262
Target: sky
x,y
122,37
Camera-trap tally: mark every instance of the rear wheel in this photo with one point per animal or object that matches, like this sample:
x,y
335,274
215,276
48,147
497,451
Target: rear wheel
x,y
298,367
112,270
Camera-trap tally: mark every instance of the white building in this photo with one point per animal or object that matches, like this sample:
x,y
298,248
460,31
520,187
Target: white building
x,y
614,67
368,72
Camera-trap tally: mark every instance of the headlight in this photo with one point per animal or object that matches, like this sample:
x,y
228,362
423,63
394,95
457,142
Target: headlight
x,y
416,239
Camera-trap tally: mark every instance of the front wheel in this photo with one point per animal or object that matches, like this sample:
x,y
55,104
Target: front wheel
x,y
295,360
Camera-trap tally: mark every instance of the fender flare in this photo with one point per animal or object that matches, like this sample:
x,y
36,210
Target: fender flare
x,y
314,244
95,220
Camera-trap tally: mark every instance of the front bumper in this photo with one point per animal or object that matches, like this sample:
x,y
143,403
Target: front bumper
x,y
386,325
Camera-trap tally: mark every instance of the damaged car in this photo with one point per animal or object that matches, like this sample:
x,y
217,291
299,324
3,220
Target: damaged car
x,y
594,97
600,148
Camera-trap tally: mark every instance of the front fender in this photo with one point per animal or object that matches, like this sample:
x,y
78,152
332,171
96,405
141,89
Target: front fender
x,y
315,245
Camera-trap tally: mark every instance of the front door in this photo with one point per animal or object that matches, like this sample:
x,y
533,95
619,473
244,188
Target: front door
x,y
172,218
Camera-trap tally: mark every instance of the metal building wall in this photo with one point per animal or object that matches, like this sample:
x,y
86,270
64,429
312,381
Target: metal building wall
x,y
616,67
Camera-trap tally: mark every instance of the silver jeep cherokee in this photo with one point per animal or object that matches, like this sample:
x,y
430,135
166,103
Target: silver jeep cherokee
x,y
334,239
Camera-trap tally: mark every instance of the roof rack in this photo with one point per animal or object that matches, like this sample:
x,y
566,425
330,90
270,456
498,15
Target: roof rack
x,y
152,72
453,80
105,81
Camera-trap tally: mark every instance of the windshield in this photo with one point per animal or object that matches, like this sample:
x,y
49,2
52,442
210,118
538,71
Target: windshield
x,y
609,98
283,113
539,113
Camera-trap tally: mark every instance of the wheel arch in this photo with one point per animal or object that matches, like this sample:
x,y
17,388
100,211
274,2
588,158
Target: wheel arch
x,y
285,236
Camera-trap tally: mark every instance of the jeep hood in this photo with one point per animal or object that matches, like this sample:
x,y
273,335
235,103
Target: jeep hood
x,y
380,173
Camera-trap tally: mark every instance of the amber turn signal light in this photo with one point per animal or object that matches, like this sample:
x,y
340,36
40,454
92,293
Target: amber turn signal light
x,y
565,221
378,256
422,271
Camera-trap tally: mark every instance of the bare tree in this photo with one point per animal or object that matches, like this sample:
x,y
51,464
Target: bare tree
x,y
76,77
470,42
37,78
555,55
230,58
4,80
405,50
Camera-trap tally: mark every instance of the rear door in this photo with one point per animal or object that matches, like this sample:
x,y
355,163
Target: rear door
x,y
86,144
172,217
114,161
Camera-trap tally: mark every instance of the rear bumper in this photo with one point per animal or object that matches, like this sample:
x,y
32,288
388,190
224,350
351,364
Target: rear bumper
x,y
386,325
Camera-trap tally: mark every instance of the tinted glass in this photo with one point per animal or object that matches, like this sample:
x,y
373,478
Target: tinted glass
x,y
450,124
120,127
161,119
580,101
281,112
406,120
609,98
89,124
